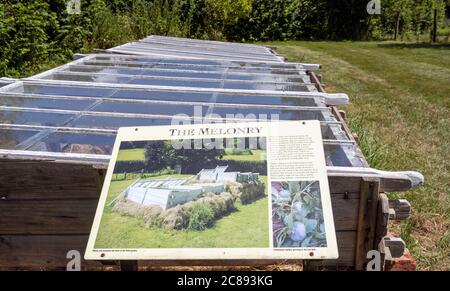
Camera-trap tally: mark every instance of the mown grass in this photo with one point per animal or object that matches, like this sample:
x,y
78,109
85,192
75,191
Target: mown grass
x,y
256,155
131,155
400,94
247,226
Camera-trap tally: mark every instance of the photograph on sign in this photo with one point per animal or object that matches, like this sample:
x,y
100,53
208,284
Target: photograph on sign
x,y
215,191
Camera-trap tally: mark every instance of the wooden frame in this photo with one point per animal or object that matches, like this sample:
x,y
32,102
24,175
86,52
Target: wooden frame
x,y
48,199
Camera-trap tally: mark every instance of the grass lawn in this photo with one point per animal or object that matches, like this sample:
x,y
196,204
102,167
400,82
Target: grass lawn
x,y
131,155
257,155
400,95
246,227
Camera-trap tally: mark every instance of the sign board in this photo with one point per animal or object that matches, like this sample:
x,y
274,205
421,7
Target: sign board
x,y
253,190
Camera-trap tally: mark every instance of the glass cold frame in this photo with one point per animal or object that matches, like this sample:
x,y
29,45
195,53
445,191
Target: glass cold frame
x,y
45,103
10,138
163,65
194,83
80,143
50,90
34,118
74,118
89,143
66,90
147,60
278,78
207,44
186,52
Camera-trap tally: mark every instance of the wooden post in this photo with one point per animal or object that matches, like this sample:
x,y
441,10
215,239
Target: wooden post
x,y
367,219
129,266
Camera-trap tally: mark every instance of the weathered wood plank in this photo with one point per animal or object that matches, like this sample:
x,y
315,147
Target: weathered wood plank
x,y
366,220
401,209
76,216
345,213
346,246
47,216
382,219
47,180
47,252
44,252
340,185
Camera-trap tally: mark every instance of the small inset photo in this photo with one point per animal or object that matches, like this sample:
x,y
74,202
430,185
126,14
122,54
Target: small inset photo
x,y
297,215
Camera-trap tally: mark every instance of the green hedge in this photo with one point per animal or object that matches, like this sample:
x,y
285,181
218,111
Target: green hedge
x,y
192,168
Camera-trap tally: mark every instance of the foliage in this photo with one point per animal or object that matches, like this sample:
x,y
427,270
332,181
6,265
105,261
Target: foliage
x,y
251,192
160,154
201,216
297,215
38,34
225,12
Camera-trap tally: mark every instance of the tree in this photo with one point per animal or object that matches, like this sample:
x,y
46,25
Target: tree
x,y
225,12
161,154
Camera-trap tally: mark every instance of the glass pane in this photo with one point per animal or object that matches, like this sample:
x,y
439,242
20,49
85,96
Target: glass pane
x,y
243,51
342,156
63,90
163,95
10,138
118,58
34,118
265,86
265,100
46,103
108,122
150,108
135,49
181,65
100,144
214,98
265,78
3,83
178,73
230,112
333,132
176,83
89,78
106,70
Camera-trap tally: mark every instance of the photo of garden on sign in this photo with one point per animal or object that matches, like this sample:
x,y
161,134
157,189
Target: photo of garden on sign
x,y
216,191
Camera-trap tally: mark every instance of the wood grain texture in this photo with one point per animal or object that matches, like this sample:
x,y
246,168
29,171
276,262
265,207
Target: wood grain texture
x,y
40,180
366,220
47,216
347,248
41,252
48,252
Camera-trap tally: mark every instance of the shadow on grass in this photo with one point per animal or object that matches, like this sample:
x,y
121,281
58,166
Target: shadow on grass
x,y
415,45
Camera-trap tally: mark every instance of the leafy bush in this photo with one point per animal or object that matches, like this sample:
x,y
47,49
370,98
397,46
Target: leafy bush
x,y
251,192
297,215
200,216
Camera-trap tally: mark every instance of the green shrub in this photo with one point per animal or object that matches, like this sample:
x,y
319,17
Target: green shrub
x,y
251,192
200,216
